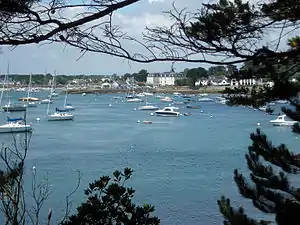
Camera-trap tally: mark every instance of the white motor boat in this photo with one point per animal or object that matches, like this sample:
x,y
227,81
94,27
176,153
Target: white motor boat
x,y
166,99
168,111
205,99
46,101
148,107
283,120
140,95
15,126
58,116
134,100
69,107
148,94
31,104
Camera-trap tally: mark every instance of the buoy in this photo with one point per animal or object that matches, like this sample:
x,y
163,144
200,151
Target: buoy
x,y
138,121
134,109
201,111
211,116
38,119
151,114
109,105
258,124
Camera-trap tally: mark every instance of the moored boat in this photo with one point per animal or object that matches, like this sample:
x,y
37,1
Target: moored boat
x,y
168,111
283,120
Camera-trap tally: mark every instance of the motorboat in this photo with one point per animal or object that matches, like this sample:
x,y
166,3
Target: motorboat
x,y
221,100
31,104
15,125
204,99
193,107
134,100
46,101
58,116
69,107
283,120
53,94
148,107
148,94
166,99
168,111
140,95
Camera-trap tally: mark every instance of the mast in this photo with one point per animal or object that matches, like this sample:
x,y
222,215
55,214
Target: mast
x,y
66,94
3,88
29,87
50,98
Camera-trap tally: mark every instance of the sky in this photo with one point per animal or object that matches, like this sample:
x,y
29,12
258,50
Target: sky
x,y
43,58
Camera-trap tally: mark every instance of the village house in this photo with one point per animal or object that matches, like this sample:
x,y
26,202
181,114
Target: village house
x,y
246,82
164,79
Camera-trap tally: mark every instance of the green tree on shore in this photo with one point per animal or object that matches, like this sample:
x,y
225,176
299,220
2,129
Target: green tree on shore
x,y
196,74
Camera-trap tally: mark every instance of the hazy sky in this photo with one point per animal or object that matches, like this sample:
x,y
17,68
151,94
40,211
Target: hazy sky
x,y
40,58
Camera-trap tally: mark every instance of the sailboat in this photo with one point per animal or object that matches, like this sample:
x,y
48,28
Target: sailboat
x,y
11,107
15,125
147,106
67,107
57,116
29,100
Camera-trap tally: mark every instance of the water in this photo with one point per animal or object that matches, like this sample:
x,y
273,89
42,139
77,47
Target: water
x,y
181,165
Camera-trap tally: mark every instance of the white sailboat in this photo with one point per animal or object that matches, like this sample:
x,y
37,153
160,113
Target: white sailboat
x,y
10,106
15,125
57,116
67,106
148,106
28,102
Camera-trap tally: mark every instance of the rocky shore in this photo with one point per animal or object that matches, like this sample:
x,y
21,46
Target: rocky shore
x,y
166,90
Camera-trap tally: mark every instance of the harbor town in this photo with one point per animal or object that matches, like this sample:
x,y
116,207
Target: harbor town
x,y
149,112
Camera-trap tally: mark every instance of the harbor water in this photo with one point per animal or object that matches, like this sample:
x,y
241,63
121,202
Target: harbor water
x,y
182,165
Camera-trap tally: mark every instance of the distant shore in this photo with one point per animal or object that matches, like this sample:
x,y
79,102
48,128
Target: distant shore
x,y
166,90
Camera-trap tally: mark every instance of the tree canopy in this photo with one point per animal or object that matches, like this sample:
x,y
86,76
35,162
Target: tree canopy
x,y
195,74
109,202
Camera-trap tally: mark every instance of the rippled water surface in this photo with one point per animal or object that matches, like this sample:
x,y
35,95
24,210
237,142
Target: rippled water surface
x,y
181,165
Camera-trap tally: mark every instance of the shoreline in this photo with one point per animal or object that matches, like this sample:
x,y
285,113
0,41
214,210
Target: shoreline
x,y
202,90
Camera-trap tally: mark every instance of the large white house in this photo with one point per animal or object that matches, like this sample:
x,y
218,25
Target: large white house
x,y
164,79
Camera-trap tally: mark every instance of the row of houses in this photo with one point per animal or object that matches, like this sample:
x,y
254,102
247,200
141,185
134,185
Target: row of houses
x,y
170,78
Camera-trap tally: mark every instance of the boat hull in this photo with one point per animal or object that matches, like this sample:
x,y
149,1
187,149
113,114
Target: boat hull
x,y
167,114
148,108
14,108
60,118
286,123
22,129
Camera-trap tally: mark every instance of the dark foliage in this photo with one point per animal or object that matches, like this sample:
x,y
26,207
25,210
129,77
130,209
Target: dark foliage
x,y
109,202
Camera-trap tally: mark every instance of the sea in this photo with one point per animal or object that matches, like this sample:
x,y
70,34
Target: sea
x,y
182,165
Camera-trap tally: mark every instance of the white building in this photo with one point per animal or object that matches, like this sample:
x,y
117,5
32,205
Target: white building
x,y
245,82
164,79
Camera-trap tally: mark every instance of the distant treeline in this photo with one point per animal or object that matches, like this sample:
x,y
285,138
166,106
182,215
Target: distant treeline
x,y
41,79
